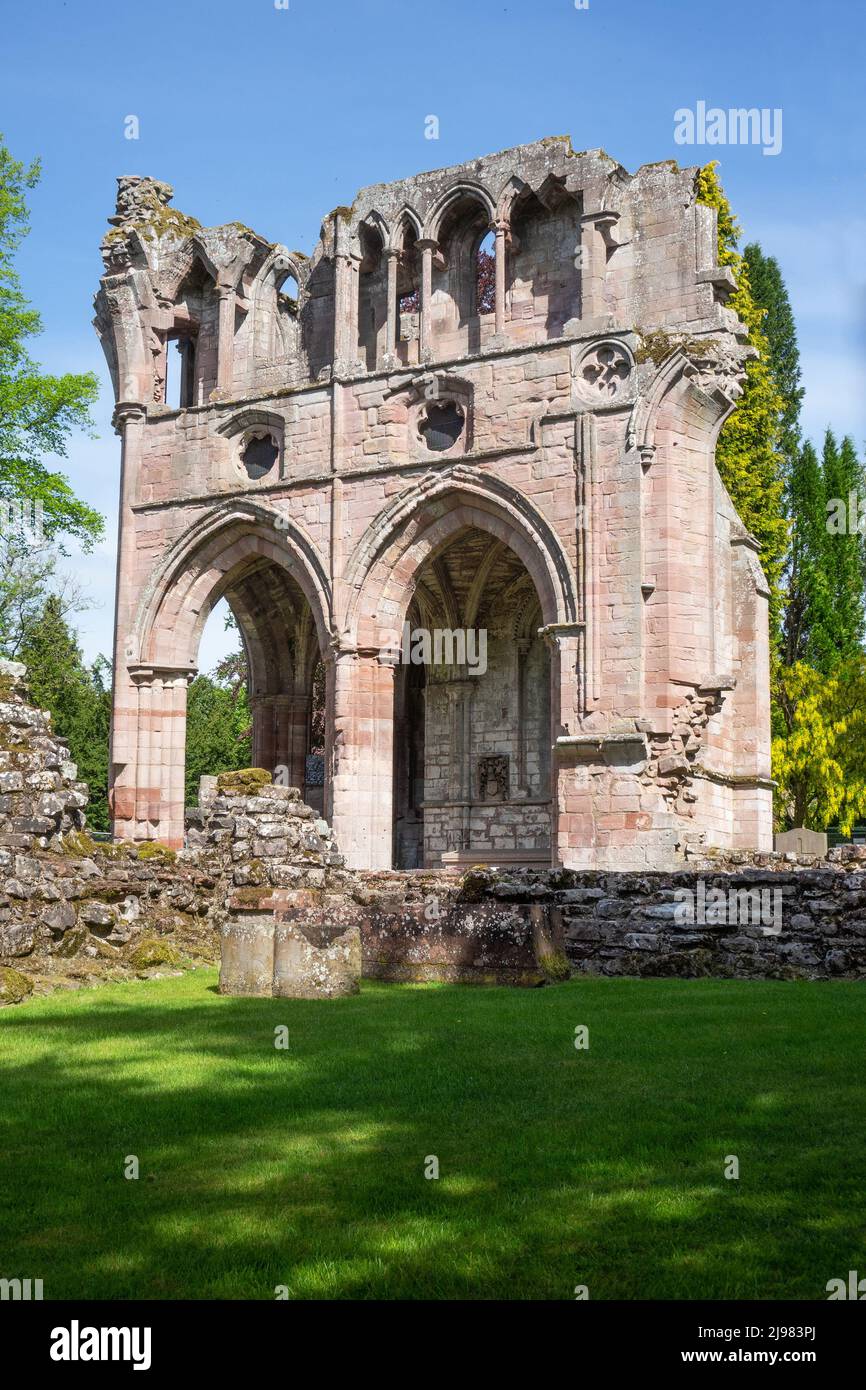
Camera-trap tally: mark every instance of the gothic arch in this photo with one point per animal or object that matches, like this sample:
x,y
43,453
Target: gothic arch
x,y
199,567
466,188
677,370
381,573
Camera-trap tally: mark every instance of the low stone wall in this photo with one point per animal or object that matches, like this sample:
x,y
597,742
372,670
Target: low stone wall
x,y
775,920
75,912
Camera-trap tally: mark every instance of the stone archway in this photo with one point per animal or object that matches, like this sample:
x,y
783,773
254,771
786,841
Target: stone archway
x,y
472,769
281,601
382,581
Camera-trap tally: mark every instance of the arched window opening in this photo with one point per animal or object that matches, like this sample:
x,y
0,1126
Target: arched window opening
x,y
219,719
180,373
472,767
458,300
485,275
290,293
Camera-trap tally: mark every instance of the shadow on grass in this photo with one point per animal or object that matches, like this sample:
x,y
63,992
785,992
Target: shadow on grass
x,y
305,1167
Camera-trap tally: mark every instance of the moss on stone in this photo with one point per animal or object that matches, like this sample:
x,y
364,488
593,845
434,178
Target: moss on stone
x,y
475,884
656,346
151,952
78,845
246,779
250,897
13,985
151,851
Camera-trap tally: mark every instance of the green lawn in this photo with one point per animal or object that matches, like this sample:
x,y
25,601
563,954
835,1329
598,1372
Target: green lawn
x,y
305,1167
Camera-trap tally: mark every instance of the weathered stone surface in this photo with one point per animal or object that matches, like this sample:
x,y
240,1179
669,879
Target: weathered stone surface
x,y
75,911
437,464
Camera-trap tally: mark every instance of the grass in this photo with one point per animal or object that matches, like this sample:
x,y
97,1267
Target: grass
x,y
305,1167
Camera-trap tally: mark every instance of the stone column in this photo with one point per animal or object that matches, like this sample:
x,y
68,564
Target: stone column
x,y
596,239
129,424
362,759
522,644
160,761
225,350
282,736
267,736
500,229
572,819
460,696
426,247
393,258
345,302
297,732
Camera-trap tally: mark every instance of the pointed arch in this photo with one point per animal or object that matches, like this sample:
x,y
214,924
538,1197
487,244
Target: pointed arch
x,y
381,573
198,568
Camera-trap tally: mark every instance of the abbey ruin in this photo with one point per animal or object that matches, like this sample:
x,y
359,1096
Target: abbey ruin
x,y
379,435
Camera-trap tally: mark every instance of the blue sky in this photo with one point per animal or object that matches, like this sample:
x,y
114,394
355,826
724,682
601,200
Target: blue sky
x,y
273,116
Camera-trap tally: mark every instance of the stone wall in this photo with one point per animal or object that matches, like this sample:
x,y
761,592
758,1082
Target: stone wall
x,y
579,489
74,912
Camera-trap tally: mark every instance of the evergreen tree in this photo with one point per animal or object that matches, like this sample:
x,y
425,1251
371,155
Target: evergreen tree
x,y
843,547
808,622
770,294
78,697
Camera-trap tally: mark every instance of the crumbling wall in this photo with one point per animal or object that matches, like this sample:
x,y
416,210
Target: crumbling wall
x,y
74,912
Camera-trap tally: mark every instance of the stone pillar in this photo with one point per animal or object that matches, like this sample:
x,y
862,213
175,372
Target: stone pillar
x,y
345,302
160,755
596,239
225,349
362,758
426,247
500,229
267,736
460,789
298,731
282,738
522,645
572,823
128,422
393,258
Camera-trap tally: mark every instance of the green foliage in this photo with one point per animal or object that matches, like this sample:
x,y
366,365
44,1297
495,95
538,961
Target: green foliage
x,y
78,696
749,450
770,294
819,757
808,619
217,732
37,412
843,545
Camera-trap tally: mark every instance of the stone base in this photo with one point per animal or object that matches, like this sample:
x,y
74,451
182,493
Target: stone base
x,y
286,950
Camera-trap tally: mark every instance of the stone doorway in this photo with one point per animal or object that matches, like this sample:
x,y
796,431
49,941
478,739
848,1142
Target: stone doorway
x,y
472,713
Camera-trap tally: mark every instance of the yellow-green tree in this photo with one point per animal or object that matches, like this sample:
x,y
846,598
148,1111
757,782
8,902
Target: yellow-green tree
x,y
819,758
749,450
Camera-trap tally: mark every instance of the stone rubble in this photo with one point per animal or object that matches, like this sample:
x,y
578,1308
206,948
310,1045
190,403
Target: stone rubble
x,y
74,911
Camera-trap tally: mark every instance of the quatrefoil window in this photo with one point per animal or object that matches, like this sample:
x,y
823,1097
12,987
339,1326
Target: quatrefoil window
x,y
606,369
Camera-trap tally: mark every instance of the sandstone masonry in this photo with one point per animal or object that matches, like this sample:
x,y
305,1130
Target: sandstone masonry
x,y
397,429
263,872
